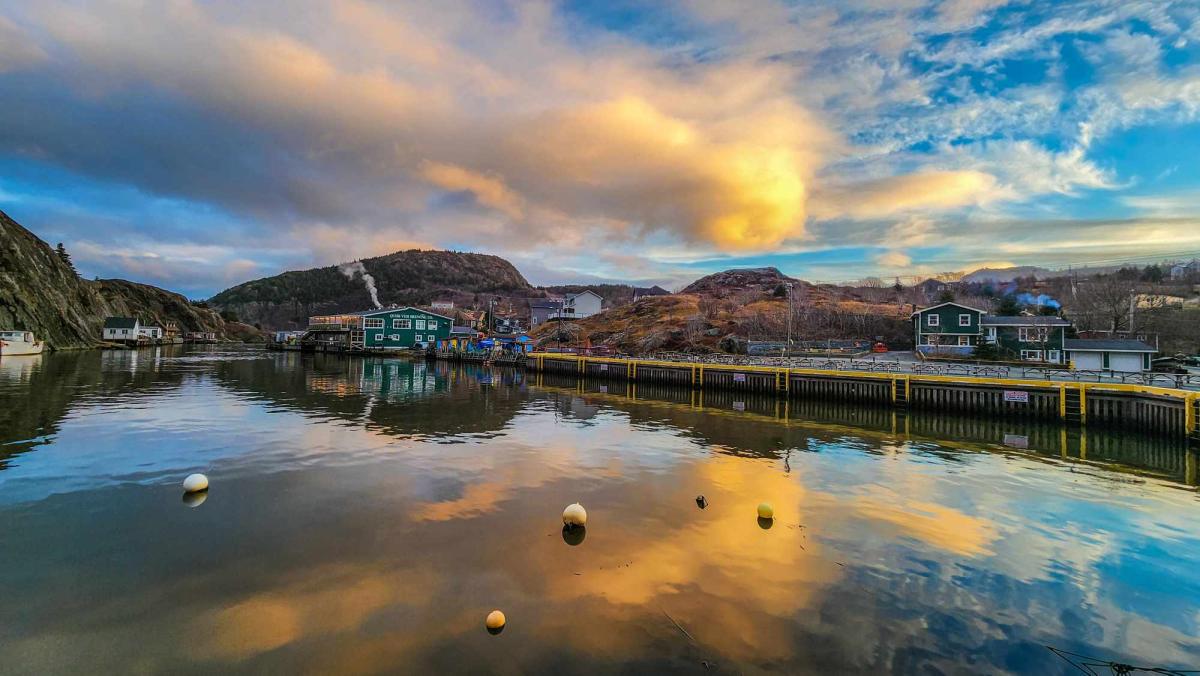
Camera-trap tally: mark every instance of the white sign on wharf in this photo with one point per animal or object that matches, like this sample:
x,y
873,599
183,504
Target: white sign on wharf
x,y
739,406
739,377
1018,396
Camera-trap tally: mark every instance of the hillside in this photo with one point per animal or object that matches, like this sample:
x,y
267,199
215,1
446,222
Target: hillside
x,y
411,277
40,292
722,311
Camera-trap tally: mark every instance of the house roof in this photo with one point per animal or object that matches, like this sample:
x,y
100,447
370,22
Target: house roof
x,y
120,323
994,320
1106,345
461,330
547,303
934,307
585,291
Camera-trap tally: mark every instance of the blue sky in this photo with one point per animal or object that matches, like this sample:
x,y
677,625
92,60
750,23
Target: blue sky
x,y
195,145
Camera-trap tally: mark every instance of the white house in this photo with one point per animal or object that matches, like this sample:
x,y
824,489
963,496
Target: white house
x,y
442,305
1109,354
121,328
151,332
581,305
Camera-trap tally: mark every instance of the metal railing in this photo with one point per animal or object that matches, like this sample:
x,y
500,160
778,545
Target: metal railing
x,y
1177,381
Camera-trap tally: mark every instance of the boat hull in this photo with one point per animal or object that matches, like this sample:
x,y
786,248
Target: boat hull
x,y
9,348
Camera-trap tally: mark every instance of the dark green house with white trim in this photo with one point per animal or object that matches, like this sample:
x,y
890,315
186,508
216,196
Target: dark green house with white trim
x,y
954,329
383,329
400,327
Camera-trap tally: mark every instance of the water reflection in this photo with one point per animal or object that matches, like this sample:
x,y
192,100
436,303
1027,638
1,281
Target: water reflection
x,y
371,511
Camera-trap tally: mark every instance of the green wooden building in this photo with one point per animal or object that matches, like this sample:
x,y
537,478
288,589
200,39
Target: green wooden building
x,y
387,328
954,329
400,327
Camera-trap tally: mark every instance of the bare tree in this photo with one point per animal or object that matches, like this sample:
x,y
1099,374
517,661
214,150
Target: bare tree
x,y
1105,303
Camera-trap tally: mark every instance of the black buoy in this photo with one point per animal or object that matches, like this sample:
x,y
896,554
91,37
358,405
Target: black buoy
x,y
701,502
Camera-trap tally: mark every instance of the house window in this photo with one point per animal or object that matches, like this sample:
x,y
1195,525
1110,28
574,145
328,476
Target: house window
x,y
991,334
1027,334
964,340
432,325
964,320
418,337
394,336
401,323
372,323
420,325
1031,355
933,320
929,340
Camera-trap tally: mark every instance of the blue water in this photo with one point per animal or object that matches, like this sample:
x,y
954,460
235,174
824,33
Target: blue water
x,y
366,514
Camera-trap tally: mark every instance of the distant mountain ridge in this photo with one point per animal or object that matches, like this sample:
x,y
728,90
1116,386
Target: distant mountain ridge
x,y
40,292
413,277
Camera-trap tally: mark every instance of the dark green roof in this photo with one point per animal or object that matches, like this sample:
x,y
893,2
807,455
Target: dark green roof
x,y
120,323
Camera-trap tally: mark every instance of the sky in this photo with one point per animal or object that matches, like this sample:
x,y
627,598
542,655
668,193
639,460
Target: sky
x,y
196,145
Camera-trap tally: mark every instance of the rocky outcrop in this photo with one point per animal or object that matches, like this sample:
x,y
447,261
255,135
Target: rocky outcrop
x,y
40,292
730,283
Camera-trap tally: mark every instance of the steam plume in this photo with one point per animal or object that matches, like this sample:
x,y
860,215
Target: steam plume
x,y
357,268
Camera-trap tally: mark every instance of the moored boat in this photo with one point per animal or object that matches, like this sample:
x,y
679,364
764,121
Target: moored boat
x,y
19,343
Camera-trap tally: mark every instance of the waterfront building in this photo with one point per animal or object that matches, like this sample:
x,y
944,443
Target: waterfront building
x,y
150,332
121,328
954,329
387,328
543,309
1126,355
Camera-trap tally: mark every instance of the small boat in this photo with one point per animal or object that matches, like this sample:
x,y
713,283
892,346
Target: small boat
x,y
18,343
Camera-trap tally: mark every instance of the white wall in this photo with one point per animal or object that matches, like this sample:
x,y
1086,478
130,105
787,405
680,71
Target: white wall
x,y
1125,361
585,305
1088,361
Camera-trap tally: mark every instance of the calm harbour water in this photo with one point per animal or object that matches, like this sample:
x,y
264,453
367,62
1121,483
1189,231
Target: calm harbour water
x,y
366,514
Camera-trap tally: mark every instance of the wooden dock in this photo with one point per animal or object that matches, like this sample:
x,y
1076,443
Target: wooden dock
x,y
1155,410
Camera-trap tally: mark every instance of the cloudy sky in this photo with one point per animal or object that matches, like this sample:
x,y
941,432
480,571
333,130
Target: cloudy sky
x,y
198,144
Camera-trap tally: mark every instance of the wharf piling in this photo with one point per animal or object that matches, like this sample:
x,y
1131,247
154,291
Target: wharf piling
x,y
1151,409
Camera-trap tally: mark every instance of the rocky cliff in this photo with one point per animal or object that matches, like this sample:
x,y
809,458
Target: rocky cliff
x,y
40,292
403,278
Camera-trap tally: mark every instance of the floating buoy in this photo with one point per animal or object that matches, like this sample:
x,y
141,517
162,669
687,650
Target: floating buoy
x,y
766,511
765,524
701,502
495,622
195,483
574,515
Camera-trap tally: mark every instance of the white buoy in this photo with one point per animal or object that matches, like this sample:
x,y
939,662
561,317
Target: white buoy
x,y
195,483
766,511
495,621
575,515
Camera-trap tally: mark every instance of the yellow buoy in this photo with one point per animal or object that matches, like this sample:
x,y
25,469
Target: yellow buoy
x,y
495,621
574,515
766,511
195,483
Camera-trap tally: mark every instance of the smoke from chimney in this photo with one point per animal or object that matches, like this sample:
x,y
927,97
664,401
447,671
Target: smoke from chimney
x,y
356,268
